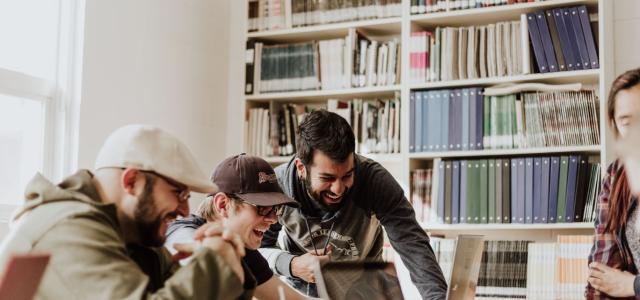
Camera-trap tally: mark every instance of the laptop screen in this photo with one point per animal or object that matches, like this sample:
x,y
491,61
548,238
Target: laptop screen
x,y
358,280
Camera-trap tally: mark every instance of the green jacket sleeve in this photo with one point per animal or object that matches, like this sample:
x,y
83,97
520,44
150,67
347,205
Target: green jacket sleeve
x,y
89,261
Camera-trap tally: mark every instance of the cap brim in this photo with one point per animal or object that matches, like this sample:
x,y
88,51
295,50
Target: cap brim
x,y
205,187
268,199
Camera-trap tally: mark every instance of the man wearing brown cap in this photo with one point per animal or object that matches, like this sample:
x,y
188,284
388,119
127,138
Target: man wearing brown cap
x,y
248,202
103,229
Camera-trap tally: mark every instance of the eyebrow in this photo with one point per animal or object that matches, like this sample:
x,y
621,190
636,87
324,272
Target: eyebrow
x,y
332,175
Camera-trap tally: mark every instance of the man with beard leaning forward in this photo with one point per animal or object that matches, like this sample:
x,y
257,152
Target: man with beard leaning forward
x,y
104,229
345,200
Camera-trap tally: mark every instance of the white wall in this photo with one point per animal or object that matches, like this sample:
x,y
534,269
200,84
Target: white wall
x,y
160,62
626,25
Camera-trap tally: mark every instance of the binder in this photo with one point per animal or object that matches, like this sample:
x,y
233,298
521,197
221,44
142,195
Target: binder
x,y
565,44
547,43
555,39
588,37
536,42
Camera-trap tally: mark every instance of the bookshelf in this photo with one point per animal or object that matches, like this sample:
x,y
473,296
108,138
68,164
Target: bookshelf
x,y
401,164
401,27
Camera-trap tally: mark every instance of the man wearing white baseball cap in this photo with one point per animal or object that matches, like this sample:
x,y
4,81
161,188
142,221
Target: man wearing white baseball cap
x,y
104,229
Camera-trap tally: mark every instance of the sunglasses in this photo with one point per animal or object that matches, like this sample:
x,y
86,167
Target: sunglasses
x,y
264,211
180,190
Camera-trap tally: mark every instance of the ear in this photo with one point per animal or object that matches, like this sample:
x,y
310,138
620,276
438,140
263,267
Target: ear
x,y
302,170
221,203
132,181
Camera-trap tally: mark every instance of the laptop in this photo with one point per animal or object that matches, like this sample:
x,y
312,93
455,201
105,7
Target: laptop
x,y
379,280
357,280
22,275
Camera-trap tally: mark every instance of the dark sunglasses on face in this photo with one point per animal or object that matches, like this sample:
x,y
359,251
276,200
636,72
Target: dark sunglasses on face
x,y
264,211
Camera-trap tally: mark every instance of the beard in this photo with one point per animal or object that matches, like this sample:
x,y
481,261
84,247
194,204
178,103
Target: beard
x,y
318,196
147,224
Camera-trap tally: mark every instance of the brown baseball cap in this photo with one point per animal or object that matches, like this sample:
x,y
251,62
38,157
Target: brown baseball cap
x,y
251,179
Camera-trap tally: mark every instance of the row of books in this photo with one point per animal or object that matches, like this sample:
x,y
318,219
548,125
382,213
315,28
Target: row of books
x,y
557,189
452,53
465,119
562,39
375,123
431,6
268,14
568,257
353,61
520,269
272,131
277,14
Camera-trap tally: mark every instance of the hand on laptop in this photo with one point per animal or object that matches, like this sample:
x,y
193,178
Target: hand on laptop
x,y
302,266
225,243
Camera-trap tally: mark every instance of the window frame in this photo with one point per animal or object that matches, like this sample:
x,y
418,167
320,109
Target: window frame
x,y
60,97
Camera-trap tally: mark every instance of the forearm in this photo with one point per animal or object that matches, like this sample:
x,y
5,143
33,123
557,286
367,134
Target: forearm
x,y
206,276
279,260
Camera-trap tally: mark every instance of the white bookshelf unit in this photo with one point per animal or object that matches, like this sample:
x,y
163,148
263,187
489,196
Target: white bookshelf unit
x,y
401,164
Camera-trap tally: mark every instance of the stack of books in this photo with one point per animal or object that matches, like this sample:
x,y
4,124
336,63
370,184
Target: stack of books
x,y
521,269
562,39
353,61
556,189
279,14
432,6
465,119
452,53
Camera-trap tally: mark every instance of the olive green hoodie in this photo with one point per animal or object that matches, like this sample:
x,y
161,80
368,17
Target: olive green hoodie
x,y
89,257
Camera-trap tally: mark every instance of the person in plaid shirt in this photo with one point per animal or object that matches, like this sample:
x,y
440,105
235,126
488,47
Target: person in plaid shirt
x,y
616,250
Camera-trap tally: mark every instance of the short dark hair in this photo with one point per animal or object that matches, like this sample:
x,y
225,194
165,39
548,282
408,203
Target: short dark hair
x,y
326,132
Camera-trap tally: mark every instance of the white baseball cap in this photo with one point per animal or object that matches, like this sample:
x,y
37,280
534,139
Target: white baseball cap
x,y
150,148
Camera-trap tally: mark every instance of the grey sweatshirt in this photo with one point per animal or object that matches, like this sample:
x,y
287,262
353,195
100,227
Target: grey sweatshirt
x,y
374,201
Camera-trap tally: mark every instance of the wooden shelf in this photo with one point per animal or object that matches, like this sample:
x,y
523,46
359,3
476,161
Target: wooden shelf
x,y
323,94
475,227
505,152
487,15
381,158
582,76
387,26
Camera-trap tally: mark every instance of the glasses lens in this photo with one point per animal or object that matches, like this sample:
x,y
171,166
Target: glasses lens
x,y
268,210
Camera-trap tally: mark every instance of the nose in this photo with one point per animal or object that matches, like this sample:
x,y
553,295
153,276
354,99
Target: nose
x,y
271,218
337,187
183,209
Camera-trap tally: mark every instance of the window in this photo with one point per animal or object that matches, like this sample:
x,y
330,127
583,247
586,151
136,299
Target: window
x,y
40,59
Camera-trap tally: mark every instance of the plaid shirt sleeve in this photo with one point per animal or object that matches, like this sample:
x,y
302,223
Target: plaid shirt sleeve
x,y
605,248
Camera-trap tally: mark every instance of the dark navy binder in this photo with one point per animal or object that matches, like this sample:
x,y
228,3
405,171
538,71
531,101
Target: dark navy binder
x,y
565,44
536,42
582,45
588,36
554,179
547,43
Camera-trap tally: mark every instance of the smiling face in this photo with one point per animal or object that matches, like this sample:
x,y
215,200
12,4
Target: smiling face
x,y
327,181
243,219
157,206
